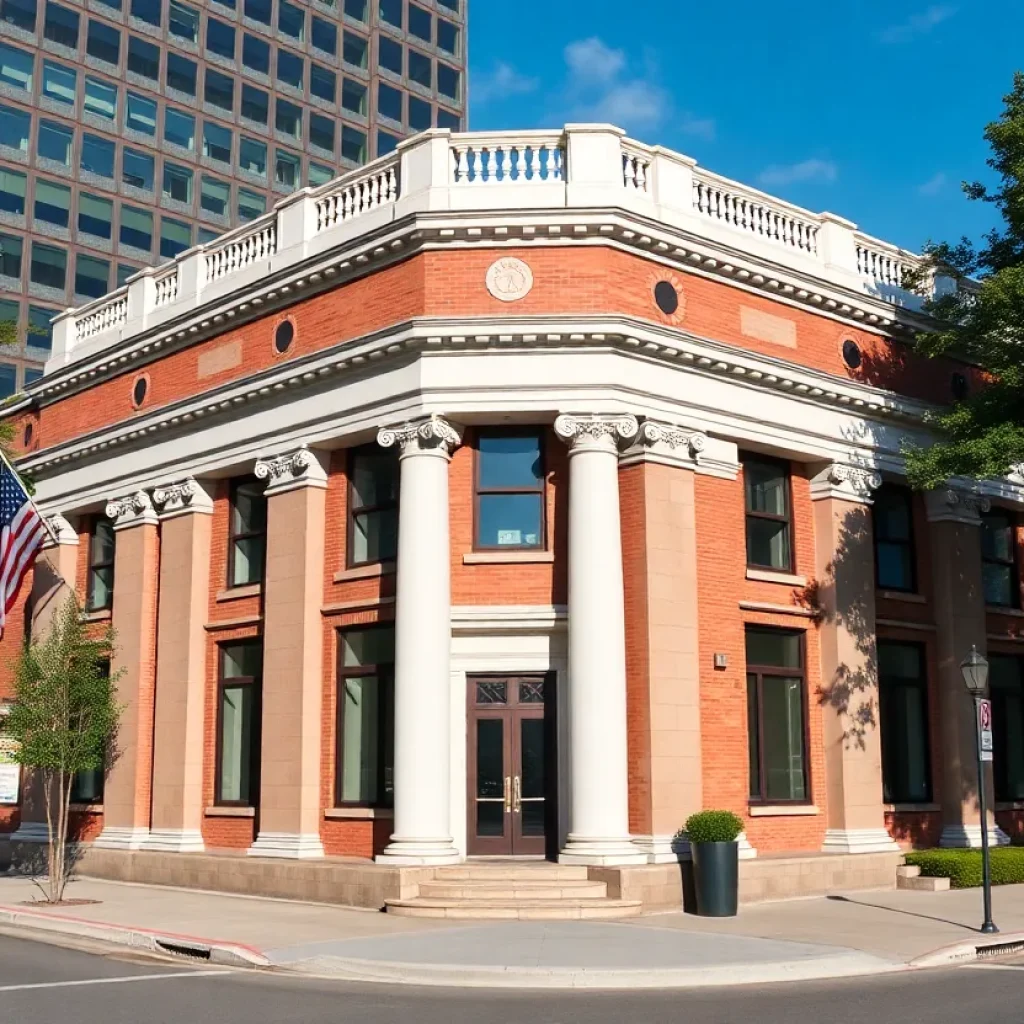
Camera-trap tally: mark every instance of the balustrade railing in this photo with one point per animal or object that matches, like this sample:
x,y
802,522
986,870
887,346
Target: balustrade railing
x,y
167,287
885,264
352,196
518,158
242,250
636,167
112,313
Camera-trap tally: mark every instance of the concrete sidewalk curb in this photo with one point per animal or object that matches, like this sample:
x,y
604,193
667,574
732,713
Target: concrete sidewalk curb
x,y
227,954
841,965
964,952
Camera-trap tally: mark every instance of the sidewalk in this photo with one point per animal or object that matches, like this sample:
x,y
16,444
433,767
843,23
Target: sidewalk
x,y
858,933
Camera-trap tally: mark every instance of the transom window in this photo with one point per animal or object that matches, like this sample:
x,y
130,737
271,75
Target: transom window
x,y
238,735
893,519
776,716
769,527
903,719
1007,691
248,540
510,510
999,558
372,506
100,584
365,717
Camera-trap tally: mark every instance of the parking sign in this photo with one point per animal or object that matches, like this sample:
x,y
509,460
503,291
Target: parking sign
x,y
985,729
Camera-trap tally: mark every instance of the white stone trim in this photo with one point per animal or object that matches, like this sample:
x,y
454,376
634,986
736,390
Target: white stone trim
x,y
59,532
955,505
121,837
182,498
174,840
859,840
845,482
663,849
969,837
132,510
596,431
291,471
433,435
287,846
747,852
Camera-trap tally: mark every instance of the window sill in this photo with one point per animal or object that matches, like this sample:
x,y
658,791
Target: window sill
x,y
769,576
999,609
365,572
923,808
781,810
358,813
231,812
101,615
900,595
507,557
238,593
86,808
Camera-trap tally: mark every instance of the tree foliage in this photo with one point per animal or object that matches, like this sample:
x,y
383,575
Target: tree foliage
x,y
64,718
982,321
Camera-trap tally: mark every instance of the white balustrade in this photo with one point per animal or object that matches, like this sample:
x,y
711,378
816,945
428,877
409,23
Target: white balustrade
x,y
884,264
749,210
356,194
167,287
518,158
113,313
636,168
241,251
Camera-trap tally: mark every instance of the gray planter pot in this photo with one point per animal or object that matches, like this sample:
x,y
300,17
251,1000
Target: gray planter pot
x,y
716,878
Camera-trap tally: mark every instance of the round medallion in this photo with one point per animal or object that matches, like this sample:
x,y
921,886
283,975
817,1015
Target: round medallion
x,y
509,279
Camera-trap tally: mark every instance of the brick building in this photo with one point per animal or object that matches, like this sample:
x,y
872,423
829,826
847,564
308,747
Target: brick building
x,y
518,495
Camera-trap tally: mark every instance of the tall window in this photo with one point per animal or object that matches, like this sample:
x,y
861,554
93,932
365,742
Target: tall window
x,y
87,786
248,541
365,728
903,715
776,716
769,527
893,518
372,506
998,558
510,489
238,733
1007,691
100,586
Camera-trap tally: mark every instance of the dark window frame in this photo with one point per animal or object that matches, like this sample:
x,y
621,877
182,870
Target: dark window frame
x,y
787,468
910,543
923,685
233,537
760,671
354,511
234,682
1012,563
93,566
999,722
385,674
541,435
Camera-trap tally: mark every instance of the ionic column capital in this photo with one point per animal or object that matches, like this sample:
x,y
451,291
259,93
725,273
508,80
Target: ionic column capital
x,y
181,498
132,510
59,532
666,443
291,470
955,505
595,432
844,482
431,436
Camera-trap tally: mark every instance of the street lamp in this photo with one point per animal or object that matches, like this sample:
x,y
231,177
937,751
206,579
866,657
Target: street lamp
x,y
975,671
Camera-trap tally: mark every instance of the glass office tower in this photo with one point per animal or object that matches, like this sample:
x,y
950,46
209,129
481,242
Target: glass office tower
x,y
133,129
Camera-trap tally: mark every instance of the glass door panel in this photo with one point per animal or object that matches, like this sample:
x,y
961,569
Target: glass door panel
x,y
490,778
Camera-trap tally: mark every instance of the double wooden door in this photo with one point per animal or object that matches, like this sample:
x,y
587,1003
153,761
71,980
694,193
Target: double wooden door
x,y
510,760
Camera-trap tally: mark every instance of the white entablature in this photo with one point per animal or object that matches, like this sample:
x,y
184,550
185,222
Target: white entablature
x,y
530,181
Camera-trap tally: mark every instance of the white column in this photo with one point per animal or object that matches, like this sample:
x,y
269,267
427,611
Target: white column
x,y
599,800
423,640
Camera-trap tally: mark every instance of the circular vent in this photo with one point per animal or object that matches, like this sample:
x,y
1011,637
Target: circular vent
x,y
284,335
851,354
666,296
140,390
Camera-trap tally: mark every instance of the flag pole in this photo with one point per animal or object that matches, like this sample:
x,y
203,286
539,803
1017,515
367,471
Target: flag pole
x,y
32,502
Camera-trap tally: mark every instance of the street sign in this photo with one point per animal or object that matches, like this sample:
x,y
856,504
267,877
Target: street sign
x,y
985,729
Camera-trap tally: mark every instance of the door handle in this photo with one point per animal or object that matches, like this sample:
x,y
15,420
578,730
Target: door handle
x,y
517,794
508,794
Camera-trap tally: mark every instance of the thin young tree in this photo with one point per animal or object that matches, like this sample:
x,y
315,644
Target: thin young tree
x,y
64,719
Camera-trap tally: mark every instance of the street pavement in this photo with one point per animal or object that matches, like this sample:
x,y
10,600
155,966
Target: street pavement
x,y
45,984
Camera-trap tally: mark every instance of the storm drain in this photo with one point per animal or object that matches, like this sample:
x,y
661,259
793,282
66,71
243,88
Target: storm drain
x,y
999,949
182,949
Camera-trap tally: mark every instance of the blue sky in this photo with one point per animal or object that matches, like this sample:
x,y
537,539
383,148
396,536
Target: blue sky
x,y
871,109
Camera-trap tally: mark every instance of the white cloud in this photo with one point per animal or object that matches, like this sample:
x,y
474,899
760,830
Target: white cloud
x,y
701,127
823,171
634,105
933,186
500,83
590,60
918,24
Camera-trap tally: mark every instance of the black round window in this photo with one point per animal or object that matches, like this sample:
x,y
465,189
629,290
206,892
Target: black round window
x,y
284,336
139,390
959,386
29,434
666,297
851,354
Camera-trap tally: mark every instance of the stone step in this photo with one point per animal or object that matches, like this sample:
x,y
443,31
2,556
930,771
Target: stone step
x,y
515,910
922,884
514,889
504,871
908,871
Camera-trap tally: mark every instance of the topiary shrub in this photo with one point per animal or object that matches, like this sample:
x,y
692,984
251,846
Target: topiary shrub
x,y
963,867
713,827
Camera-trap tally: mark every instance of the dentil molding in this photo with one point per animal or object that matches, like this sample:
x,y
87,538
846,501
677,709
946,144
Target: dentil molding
x,y
181,497
132,510
431,436
287,472
845,483
596,431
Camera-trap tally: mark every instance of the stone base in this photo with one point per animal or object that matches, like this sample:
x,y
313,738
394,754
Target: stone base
x,y
287,845
121,837
600,851
859,840
747,852
175,840
968,837
420,852
666,849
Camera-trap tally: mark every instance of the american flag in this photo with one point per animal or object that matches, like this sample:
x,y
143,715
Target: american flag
x,y
21,535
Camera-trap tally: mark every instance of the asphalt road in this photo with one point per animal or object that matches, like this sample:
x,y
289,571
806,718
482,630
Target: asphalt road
x,y
45,984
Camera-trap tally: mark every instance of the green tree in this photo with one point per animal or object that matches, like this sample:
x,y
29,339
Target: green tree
x,y
982,321
64,720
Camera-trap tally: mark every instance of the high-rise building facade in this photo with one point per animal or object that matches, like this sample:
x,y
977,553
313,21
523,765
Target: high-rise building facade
x,y
131,130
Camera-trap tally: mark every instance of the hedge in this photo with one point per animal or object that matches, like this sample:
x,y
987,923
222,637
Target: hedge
x,y
713,827
963,867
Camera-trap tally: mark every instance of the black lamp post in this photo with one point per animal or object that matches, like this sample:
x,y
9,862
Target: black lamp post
x,y
975,670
